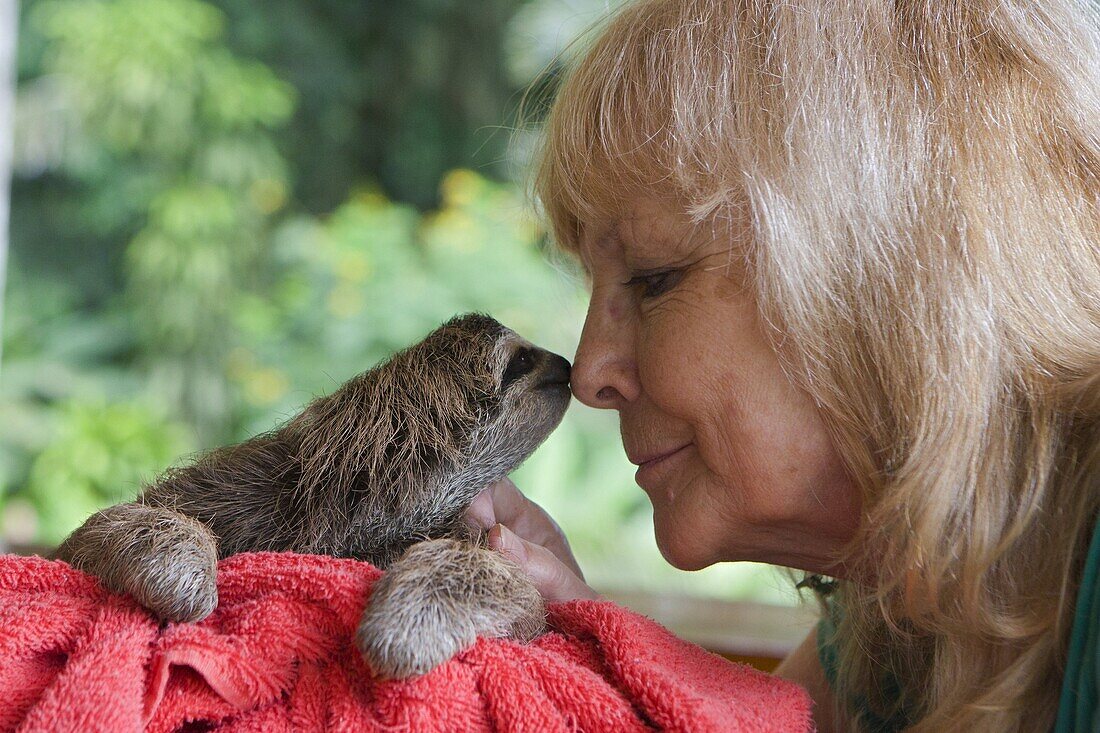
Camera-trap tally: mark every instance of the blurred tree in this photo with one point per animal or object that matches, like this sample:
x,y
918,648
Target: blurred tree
x,y
174,143
393,93
100,455
158,154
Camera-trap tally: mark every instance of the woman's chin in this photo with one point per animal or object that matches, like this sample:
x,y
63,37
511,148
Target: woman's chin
x,y
677,552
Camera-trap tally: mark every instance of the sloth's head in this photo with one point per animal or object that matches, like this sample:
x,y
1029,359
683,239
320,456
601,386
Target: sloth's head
x,y
515,393
435,423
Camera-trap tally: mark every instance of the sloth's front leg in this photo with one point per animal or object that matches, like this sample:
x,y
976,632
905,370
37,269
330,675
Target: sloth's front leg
x,y
436,599
166,560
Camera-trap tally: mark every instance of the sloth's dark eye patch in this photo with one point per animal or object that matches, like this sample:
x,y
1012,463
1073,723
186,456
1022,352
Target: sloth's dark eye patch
x,y
523,361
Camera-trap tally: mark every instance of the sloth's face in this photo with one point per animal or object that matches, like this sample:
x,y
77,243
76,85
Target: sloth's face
x,y
533,389
521,396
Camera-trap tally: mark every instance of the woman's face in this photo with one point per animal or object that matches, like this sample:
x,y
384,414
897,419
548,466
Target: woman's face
x,y
735,459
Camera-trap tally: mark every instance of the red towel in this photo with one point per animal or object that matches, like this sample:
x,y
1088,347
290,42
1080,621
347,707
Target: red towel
x,y
278,655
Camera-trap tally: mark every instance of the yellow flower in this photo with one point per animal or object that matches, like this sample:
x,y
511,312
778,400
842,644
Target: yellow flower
x,y
455,230
267,194
354,267
460,187
369,198
265,386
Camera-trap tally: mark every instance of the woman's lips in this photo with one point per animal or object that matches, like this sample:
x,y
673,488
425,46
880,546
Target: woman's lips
x,y
651,469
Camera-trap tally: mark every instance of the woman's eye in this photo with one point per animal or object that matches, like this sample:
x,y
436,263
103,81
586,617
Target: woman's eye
x,y
655,283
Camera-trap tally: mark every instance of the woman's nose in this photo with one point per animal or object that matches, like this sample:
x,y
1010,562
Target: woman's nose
x,y
605,374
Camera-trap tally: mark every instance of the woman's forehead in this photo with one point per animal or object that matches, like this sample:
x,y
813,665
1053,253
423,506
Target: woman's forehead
x,y
650,226
638,222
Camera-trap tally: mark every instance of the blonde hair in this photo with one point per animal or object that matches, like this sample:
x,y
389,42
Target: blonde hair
x,y
921,179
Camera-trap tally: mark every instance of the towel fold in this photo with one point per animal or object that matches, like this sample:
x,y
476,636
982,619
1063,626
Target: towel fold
x,y
278,655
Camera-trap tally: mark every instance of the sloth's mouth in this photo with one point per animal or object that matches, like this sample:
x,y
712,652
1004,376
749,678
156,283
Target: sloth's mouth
x,y
551,383
556,374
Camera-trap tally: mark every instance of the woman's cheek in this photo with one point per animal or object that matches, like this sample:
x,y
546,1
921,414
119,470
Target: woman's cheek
x,y
668,355
662,367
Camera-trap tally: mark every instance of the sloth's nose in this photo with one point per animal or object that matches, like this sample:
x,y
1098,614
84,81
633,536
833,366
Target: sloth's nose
x,y
555,371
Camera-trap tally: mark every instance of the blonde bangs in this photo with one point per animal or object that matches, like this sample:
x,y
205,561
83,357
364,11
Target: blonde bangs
x,y
647,112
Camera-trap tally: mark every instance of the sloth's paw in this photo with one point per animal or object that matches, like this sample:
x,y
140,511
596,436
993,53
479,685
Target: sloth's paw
x,y
402,645
436,599
177,584
165,560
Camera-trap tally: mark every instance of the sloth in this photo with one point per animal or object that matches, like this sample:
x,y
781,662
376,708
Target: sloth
x,y
381,470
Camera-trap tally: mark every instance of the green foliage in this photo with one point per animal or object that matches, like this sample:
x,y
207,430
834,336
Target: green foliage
x,y
145,75
167,115
53,353
100,456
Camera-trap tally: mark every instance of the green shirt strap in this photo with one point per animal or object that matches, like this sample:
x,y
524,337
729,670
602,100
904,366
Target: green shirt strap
x,y
1077,706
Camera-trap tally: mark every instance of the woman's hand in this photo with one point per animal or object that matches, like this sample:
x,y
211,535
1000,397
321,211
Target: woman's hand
x,y
521,530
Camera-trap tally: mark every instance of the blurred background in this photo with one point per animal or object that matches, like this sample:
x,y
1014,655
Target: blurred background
x,y
222,209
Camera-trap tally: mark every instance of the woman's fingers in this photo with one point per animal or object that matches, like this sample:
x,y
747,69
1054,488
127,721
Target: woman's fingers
x,y
500,502
553,579
503,503
540,536
481,513
525,517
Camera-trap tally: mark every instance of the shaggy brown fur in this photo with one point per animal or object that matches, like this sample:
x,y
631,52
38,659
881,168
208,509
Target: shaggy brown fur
x,y
381,470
